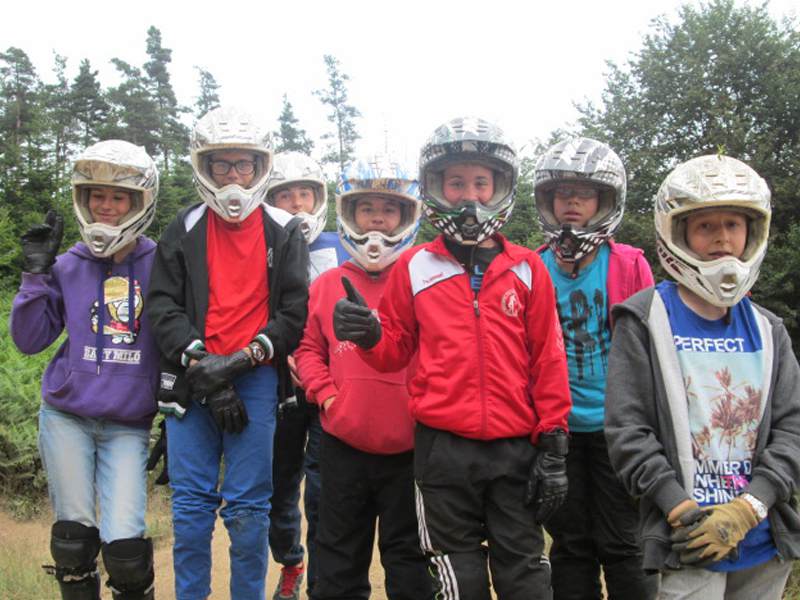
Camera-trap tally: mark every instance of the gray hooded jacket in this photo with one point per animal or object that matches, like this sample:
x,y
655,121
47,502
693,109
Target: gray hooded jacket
x,y
648,433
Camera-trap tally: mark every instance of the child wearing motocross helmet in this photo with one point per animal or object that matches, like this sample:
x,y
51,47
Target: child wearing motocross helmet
x,y
297,185
366,450
228,302
703,422
490,394
98,392
579,186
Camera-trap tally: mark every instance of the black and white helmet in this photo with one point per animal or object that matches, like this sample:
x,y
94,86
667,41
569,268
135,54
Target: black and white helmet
x,y
468,140
295,168
118,164
712,182
580,160
228,128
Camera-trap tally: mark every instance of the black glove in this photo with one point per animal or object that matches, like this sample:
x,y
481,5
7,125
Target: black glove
x,y
41,242
547,482
159,450
213,371
353,320
228,410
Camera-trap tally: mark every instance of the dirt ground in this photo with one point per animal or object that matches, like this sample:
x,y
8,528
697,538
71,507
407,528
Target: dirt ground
x,y
27,543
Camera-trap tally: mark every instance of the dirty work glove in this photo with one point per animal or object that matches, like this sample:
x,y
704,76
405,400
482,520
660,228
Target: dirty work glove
x,y
714,537
41,242
228,410
353,320
547,482
213,371
160,450
684,515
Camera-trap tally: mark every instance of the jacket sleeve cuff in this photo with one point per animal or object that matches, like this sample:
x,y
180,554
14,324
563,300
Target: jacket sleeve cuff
x,y
195,345
762,488
668,495
325,393
266,344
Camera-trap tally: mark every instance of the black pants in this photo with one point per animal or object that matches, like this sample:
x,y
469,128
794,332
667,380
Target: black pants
x,y
296,453
471,492
357,489
597,525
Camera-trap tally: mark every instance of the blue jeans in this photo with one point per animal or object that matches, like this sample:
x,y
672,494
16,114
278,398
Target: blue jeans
x,y
297,439
89,459
196,447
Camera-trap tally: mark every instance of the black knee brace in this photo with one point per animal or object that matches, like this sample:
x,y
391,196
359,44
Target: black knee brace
x,y
74,547
129,564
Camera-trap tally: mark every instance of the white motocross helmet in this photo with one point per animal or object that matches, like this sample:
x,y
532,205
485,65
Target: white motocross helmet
x,y
228,128
121,165
712,182
580,160
468,140
378,176
295,168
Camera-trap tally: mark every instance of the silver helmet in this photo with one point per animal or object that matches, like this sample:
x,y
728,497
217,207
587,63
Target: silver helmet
x,y
295,168
383,177
580,160
712,182
228,128
122,165
468,140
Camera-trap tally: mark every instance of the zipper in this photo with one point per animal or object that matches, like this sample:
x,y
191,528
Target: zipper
x,y
481,362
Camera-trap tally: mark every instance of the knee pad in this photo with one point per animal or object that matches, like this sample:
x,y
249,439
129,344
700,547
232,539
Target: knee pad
x,y
74,547
129,564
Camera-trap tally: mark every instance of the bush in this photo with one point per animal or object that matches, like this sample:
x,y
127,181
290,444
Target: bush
x,y
22,479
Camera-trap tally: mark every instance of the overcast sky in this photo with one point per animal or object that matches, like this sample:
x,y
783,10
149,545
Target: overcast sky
x,y
413,64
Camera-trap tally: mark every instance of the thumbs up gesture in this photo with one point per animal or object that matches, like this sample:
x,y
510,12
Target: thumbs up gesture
x,y
353,320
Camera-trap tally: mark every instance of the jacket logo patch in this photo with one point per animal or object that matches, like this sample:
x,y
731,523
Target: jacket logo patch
x,y
343,347
510,303
432,278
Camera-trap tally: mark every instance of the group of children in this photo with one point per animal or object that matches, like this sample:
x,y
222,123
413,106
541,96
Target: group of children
x,y
460,395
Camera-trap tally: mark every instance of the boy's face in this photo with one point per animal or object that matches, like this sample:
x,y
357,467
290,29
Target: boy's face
x,y
295,199
375,213
108,205
467,182
713,234
232,167
575,203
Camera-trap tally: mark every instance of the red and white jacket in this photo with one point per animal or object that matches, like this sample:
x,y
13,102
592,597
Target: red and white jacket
x,y
370,412
490,365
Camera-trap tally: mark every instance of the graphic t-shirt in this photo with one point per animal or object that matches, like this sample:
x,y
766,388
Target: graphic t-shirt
x,y
582,305
723,372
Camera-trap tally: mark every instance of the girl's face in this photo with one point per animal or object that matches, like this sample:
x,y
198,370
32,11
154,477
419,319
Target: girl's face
x,y
108,205
467,182
713,234
295,199
375,213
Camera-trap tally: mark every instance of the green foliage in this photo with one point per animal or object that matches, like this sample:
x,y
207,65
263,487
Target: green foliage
x,y
723,78
21,473
289,136
342,114
208,98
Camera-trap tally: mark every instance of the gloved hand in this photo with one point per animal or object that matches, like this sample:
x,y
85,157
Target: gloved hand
x,y
41,242
213,371
688,509
160,450
353,320
714,537
228,410
547,482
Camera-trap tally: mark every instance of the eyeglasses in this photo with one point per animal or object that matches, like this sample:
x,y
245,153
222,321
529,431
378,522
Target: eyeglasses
x,y
223,167
565,193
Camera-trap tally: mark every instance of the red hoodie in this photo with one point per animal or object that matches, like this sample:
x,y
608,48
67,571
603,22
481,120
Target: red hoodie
x,y
490,366
371,408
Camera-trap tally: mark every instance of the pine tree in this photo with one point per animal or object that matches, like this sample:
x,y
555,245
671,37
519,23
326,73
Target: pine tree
x,y
342,114
289,136
208,98
88,103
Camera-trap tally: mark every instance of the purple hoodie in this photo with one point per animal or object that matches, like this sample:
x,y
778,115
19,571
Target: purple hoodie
x,y
122,386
